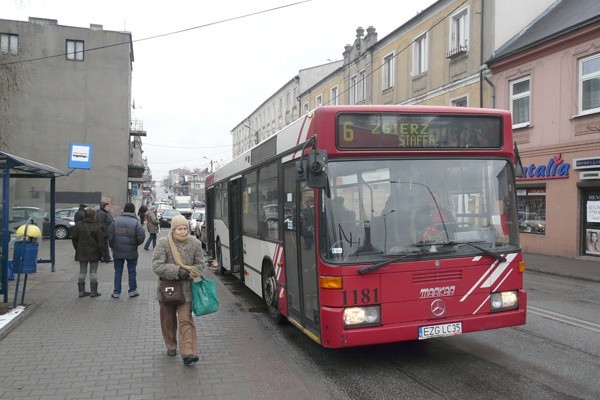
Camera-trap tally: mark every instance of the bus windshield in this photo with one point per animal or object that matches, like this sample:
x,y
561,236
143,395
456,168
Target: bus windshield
x,y
422,208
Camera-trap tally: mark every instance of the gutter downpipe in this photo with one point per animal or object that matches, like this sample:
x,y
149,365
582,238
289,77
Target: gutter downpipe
x,y
481,77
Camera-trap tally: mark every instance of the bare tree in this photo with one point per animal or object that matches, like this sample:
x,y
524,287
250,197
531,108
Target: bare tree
x,y
11,78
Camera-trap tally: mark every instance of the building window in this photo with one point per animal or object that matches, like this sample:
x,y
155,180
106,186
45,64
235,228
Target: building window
x,y
75,50
460,102
520,102
361,90
420,55
9,43
353,89
531,206
589,85
388,72
334,96
305,108
459,33
288,103
319,101
281,106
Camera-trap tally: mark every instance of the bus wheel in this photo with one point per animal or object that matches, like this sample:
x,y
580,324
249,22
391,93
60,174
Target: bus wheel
x,y
220,259
269,286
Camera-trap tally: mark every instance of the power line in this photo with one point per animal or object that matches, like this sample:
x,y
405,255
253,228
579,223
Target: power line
x,y
163,34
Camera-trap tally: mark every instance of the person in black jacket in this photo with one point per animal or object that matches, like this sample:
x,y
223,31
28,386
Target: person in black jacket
x,y
80,214
125,235
105,218
142,213
88,241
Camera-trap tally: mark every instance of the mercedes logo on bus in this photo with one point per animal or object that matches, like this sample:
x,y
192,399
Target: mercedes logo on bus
x,y
438,307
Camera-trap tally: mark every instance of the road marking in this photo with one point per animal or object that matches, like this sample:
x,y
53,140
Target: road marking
x,y
590,326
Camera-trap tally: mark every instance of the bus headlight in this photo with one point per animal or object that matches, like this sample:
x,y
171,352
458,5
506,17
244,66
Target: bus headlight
x,y
503,301
357,317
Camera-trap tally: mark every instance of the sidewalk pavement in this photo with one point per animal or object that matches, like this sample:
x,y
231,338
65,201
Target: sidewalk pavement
x,y
584,268
65,347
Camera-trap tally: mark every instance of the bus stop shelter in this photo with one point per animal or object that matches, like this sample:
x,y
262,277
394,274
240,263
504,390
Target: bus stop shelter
x,y
13,167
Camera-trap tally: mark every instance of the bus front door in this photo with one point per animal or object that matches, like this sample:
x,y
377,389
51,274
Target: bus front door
x,y
235,227
300,255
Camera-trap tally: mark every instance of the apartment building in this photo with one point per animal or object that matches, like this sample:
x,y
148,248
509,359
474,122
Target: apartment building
x,y
278,110
435,58
549,77
64,85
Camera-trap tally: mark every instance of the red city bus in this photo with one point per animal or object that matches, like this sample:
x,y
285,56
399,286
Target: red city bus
x,y
376,224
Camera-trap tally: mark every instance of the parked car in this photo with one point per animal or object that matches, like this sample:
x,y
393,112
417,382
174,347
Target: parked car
x,y
203,236
166,217
67,213
63,227
196,219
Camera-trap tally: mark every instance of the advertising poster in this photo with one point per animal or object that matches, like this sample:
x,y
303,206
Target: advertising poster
x,y
592,244
593,211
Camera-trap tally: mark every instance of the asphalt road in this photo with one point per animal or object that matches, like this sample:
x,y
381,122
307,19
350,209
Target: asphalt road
x,y
555,355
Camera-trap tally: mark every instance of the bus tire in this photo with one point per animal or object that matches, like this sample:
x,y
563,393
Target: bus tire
x,y
221,268
269,288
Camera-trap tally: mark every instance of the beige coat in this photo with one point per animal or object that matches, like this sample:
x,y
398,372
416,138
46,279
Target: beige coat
x,y
163,263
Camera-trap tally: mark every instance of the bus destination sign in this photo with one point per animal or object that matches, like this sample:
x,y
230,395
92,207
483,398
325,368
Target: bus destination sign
x,y
417,131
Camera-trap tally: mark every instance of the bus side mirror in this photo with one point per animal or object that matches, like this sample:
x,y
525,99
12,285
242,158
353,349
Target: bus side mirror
x,y
316,169
518,170
301,170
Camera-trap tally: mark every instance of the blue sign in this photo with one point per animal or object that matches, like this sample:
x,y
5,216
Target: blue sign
x,y
556,168
134,189
80,156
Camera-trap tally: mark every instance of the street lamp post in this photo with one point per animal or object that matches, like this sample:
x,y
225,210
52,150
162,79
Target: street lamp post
x,y
211,163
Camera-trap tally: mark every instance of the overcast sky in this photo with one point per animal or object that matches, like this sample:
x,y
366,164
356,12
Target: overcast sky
x,y
191,88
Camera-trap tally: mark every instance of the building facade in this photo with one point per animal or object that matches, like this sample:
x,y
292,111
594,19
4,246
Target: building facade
x,y
278,110
435,58
549,77
68,85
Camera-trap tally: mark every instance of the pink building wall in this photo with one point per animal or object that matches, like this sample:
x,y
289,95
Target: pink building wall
x,y
555,128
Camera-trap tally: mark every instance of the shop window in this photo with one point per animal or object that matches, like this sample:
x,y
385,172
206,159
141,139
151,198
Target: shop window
x,y
531,205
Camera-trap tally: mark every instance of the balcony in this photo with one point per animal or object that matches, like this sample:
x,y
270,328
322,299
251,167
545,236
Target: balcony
x,y
135,171
456,52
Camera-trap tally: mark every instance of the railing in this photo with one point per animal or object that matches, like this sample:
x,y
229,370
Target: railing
x,y
456,51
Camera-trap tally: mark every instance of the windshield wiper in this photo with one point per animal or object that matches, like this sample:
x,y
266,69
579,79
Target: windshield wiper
x,y
382,264
497,256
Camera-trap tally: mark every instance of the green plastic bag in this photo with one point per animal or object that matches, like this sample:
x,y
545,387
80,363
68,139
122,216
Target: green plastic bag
x,y
204,297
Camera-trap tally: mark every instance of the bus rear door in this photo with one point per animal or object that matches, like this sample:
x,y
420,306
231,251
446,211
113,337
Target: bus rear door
x,y
235,227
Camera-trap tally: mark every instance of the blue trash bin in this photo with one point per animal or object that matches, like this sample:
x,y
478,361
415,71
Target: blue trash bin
x,y
11,276
25,257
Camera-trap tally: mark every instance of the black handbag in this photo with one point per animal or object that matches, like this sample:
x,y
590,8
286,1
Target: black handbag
x,y
172,292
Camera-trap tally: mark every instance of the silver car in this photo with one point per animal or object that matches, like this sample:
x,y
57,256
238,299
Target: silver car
x,y
195,221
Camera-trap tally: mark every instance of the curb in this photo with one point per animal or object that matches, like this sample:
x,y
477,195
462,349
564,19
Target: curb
x,y
545,272
6,329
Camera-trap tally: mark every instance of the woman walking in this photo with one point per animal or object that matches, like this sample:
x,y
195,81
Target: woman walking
x,y
88,240
178,257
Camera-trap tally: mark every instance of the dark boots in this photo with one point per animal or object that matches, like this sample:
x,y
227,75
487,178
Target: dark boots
x,y
82,292
94,287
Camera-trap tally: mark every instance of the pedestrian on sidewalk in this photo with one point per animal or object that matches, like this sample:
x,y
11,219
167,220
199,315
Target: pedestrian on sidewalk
x,y
142,213
152,227
125,235
80,213
178,256
105,218
88,241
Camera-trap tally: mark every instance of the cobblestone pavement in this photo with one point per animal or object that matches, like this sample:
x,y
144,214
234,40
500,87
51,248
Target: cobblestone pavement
x,y
66,347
